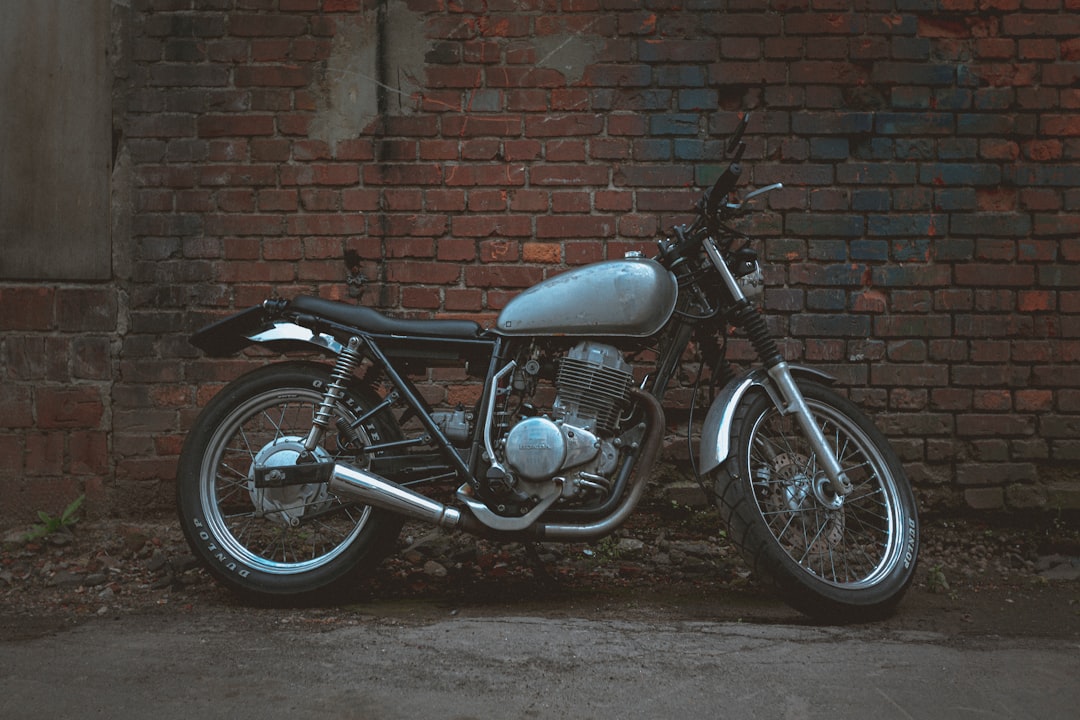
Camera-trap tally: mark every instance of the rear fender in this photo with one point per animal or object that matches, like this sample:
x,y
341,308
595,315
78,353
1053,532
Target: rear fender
x,y
716,431
255,326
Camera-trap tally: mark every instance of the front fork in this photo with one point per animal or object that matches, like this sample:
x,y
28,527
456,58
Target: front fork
x,y
794,403
790,397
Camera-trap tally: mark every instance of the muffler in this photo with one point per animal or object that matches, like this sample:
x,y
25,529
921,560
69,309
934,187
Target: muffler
x,y
370,489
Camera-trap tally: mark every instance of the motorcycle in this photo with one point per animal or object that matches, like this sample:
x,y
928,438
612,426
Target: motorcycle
x,y
298,476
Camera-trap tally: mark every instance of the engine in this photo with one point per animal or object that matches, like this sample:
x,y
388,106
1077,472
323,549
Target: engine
x,y
592,391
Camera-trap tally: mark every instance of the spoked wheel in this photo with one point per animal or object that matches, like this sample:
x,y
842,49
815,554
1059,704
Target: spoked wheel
x,y
837,558
287,540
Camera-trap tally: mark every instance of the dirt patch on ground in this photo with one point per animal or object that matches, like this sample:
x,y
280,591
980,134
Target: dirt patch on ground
x,y
975,577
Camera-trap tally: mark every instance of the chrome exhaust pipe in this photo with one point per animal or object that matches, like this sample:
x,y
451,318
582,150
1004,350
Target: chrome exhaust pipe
x,y
370,489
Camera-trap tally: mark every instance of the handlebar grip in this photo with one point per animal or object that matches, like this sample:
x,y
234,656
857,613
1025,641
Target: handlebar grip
x,y
724,184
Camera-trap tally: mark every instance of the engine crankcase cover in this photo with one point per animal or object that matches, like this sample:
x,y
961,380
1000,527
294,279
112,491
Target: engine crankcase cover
x,y
538,448
631,297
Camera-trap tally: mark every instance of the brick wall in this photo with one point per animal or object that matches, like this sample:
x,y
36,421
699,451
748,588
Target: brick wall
x,y
926,247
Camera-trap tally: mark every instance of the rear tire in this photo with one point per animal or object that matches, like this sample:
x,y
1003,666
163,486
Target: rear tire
x,y
837,560
286,542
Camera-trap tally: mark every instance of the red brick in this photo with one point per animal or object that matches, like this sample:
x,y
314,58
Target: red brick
x,y
16,406
89,452
569,175
422,298
534,252
472,175
574,226
573,125
210,126
503,276
467,299
243,25
26,308
455,249
422,273
488,225
78,407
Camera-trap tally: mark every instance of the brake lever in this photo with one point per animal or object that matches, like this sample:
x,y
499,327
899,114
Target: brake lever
x,y
735,207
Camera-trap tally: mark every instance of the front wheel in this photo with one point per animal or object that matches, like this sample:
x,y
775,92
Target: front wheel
x,y
838,559
288,541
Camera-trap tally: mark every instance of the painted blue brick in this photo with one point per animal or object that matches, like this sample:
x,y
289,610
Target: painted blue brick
x,y
1044,175
876,173
874,149
914,149
842,325
953,99
948,249
991,224
869,250
698,99
993,123
916,5
899,225
962,174
966,77
913,73
674,124
911,275
899,123
832,123
682,76
821,225
910,98
958,149
652,149
687,149
910,48
950,199
826,299
833,250
829,148
871,200
912,250
653,99
994,98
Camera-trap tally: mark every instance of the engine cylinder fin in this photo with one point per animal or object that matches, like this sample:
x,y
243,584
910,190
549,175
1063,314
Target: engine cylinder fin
x,y
594,384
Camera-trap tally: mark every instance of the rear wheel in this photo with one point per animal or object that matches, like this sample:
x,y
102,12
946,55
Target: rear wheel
x,y
279,541
839,559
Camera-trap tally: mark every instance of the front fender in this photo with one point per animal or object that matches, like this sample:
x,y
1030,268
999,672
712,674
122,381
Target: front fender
x,y
234,333
716,432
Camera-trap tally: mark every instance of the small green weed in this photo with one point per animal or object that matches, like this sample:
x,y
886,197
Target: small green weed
x,y
50,524
936,582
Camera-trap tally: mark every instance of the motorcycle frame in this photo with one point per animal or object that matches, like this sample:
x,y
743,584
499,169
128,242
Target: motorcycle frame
x,y
272,324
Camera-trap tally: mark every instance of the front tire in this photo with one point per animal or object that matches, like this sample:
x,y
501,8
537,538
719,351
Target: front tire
x,y
844,559
279,542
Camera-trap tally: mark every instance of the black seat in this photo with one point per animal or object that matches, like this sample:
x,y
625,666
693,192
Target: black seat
x,y
373,321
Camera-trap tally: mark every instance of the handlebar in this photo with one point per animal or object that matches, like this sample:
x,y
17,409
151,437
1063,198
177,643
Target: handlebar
x,y
713,207
723,185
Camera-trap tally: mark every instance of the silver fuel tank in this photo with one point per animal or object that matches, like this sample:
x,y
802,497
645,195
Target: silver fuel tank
x,y
632,297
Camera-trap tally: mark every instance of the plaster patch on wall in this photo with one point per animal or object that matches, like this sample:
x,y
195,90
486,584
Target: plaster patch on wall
x,y
569,54
352,80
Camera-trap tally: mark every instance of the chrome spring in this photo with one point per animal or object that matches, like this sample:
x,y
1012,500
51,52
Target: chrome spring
x,y
347,361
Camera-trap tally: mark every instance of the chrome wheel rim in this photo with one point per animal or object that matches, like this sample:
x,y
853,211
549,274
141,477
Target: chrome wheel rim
x,y
281,531
851,542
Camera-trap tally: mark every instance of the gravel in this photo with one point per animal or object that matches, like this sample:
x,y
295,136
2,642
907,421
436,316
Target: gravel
x,y
109,568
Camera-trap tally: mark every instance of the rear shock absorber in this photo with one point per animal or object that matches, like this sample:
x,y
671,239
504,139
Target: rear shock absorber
x,y
348,360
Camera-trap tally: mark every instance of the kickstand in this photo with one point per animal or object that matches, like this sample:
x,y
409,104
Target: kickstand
x,y
546,580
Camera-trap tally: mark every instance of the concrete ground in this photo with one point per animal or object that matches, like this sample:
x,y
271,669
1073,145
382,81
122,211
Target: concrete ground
x,y
1008,653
